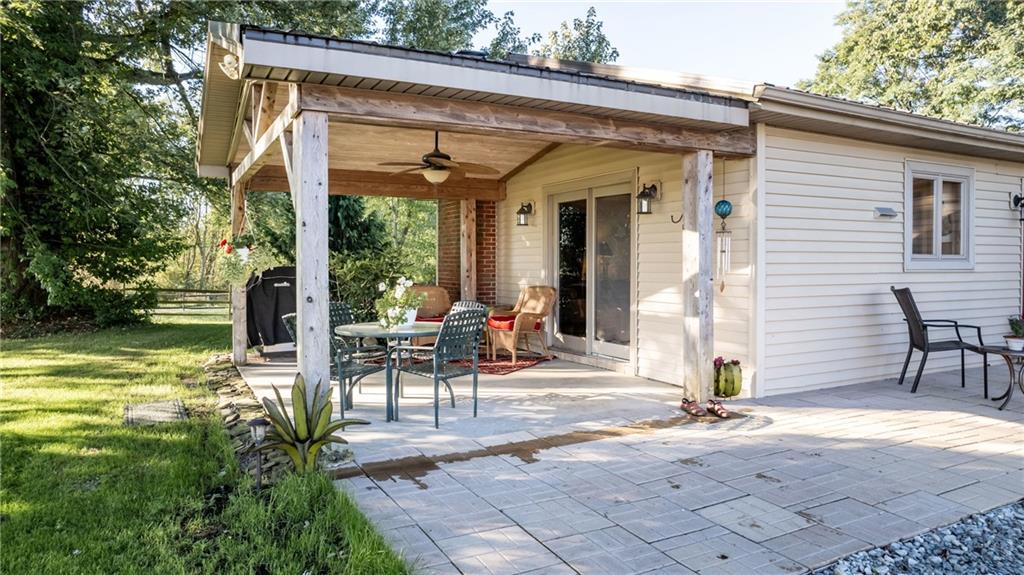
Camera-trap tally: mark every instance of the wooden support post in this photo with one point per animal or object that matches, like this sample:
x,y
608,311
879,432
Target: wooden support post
x,y
467,249
698,287
309,162
239,335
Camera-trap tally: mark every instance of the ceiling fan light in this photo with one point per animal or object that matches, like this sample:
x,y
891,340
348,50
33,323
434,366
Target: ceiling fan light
x,y
436,176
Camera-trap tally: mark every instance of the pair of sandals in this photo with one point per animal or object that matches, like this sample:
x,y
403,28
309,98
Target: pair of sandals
x,y
714,407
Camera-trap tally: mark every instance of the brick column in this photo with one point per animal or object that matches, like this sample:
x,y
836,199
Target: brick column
x,y
448,216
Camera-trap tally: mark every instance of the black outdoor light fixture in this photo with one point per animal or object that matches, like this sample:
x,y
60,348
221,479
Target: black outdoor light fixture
x,y
1017,202
258,431
645,198
523,214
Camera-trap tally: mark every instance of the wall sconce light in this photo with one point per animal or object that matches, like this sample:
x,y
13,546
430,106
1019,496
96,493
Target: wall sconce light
x,y
645,198
523,214
1017,203
885,213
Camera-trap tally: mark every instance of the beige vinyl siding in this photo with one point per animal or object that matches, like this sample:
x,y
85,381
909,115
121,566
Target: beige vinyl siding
x,y
830,317
522,251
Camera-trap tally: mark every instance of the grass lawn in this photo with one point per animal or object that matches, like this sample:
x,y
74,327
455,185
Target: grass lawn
x,y
82,493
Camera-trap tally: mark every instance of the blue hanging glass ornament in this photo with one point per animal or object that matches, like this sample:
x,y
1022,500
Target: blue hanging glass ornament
x,y
723,208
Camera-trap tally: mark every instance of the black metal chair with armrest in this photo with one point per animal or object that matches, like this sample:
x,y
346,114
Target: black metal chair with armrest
x,y
921,341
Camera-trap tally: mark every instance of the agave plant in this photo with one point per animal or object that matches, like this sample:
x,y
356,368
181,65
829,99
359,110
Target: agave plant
x,y
311,429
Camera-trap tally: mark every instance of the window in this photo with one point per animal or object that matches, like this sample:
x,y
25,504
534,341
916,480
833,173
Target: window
x,y
939,216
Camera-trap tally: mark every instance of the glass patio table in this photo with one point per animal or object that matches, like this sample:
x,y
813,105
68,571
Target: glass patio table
x,y
1014,361
394,336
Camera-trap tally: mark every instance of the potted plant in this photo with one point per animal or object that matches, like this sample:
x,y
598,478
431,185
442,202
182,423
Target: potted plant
x,y
239,260
728,377
1015,341
397,307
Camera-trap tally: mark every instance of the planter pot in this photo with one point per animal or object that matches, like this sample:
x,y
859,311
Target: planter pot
x,y
1014,343
728,380
410,318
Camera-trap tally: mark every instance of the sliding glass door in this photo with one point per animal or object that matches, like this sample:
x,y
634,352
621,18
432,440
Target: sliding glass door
x,y
593,261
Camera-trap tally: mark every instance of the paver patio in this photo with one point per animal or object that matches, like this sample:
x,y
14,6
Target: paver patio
x,y
800,481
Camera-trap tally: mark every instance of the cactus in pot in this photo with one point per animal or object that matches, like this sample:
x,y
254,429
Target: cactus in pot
x,y
728,377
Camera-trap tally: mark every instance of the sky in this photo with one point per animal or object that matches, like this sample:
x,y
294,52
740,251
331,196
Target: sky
x,y
766,41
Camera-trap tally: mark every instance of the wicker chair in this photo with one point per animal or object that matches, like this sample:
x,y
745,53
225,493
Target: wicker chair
x,y
457,343
506,327
921,341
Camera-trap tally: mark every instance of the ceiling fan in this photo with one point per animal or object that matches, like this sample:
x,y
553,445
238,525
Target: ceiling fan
x,y
436,166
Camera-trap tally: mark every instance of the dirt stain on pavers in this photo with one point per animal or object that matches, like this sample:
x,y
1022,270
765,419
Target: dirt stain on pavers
x,y
414,468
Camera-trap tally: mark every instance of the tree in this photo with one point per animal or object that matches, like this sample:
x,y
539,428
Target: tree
x,y
955,59
440,25
508,39
583,42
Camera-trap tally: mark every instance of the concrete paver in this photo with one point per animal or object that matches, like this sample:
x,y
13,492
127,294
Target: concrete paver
x,y
798,482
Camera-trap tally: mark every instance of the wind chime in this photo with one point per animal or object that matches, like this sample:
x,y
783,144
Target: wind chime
x,y
724,240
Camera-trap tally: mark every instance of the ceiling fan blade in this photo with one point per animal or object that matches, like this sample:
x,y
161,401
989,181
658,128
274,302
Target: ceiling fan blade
x,y
401,164
434,160
416,169
471,168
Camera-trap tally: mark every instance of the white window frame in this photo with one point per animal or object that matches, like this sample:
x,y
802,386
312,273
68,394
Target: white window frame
x,y
939,173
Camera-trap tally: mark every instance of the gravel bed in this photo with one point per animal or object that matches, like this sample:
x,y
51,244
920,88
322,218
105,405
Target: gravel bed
x,y
989,543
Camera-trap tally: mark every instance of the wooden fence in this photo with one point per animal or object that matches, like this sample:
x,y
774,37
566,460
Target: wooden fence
x,y
192,302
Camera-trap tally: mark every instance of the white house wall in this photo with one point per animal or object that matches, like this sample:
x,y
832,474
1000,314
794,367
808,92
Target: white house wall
x,y
521,251
830,318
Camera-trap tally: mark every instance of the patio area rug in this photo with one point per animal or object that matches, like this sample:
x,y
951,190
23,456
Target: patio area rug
x,y
503,364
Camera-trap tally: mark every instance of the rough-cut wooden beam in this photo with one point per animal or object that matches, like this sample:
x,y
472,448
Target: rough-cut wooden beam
x,y
239,334
256,157
311,329
366,183
698,288
264,108
247,132
530,161
406,110
467,249
237,133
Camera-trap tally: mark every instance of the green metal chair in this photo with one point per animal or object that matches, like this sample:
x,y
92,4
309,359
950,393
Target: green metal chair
x,y
463,305
350,360
457,343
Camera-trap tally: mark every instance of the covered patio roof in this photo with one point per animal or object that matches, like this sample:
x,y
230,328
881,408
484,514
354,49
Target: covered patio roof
x,y
317,116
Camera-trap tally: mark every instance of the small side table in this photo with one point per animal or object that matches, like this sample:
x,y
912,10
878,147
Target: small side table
x,y
1015,362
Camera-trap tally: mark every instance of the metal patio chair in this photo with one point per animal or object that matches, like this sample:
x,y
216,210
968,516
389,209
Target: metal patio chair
x,y
921,340
463,305
457,343
350,360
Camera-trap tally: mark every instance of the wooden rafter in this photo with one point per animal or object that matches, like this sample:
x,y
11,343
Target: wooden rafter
x,y
366,183
406,110
256,157
530,161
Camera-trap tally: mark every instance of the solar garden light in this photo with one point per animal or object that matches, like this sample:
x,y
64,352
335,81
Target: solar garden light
x,y
258,431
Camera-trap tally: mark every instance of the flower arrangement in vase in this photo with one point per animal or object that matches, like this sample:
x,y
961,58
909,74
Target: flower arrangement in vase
x,y
397,306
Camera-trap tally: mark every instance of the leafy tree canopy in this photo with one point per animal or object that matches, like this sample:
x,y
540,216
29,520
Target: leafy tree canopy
x,y
961,60
99,120
509,38
583,41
